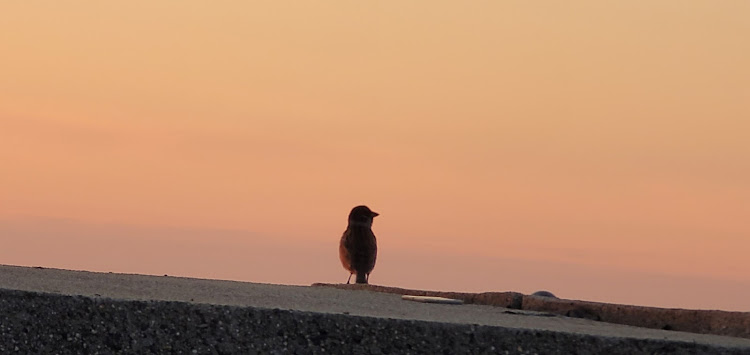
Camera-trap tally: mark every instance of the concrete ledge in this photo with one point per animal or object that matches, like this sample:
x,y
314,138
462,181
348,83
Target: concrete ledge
x,y
32,322
735,324
512,300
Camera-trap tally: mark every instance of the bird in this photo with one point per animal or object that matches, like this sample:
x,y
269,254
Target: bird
x,y
358,247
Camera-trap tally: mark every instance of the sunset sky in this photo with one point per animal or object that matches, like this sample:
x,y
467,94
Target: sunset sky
x,y
596,149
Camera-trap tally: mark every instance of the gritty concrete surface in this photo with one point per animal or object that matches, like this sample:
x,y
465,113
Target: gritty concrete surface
x,y
59,311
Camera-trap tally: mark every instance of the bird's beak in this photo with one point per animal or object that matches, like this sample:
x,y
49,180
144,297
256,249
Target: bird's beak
x,y
375,214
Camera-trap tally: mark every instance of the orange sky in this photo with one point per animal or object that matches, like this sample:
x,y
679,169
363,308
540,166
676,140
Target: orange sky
x,y
508,140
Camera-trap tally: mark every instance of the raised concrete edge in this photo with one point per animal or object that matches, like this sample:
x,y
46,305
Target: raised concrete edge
x,y
735,324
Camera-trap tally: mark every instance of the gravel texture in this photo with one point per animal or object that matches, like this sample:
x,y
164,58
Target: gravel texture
x,y
45,323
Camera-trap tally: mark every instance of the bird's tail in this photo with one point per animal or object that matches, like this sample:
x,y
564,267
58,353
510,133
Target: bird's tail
x,y
361,278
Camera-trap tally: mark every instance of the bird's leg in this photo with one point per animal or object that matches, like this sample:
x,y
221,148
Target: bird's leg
x,y
349,279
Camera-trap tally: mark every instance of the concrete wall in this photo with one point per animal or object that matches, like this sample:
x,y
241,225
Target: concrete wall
x,y
37,323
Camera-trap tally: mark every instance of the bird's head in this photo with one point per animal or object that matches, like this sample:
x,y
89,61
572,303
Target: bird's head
x,y
361,215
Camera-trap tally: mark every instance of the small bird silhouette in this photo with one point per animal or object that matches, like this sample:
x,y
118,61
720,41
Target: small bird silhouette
x,y
358,248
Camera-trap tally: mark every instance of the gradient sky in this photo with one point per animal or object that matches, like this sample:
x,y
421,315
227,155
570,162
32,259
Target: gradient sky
x,y
599,149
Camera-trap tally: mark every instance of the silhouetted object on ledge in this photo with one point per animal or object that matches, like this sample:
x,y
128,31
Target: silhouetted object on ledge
x,y
358,248
544,294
